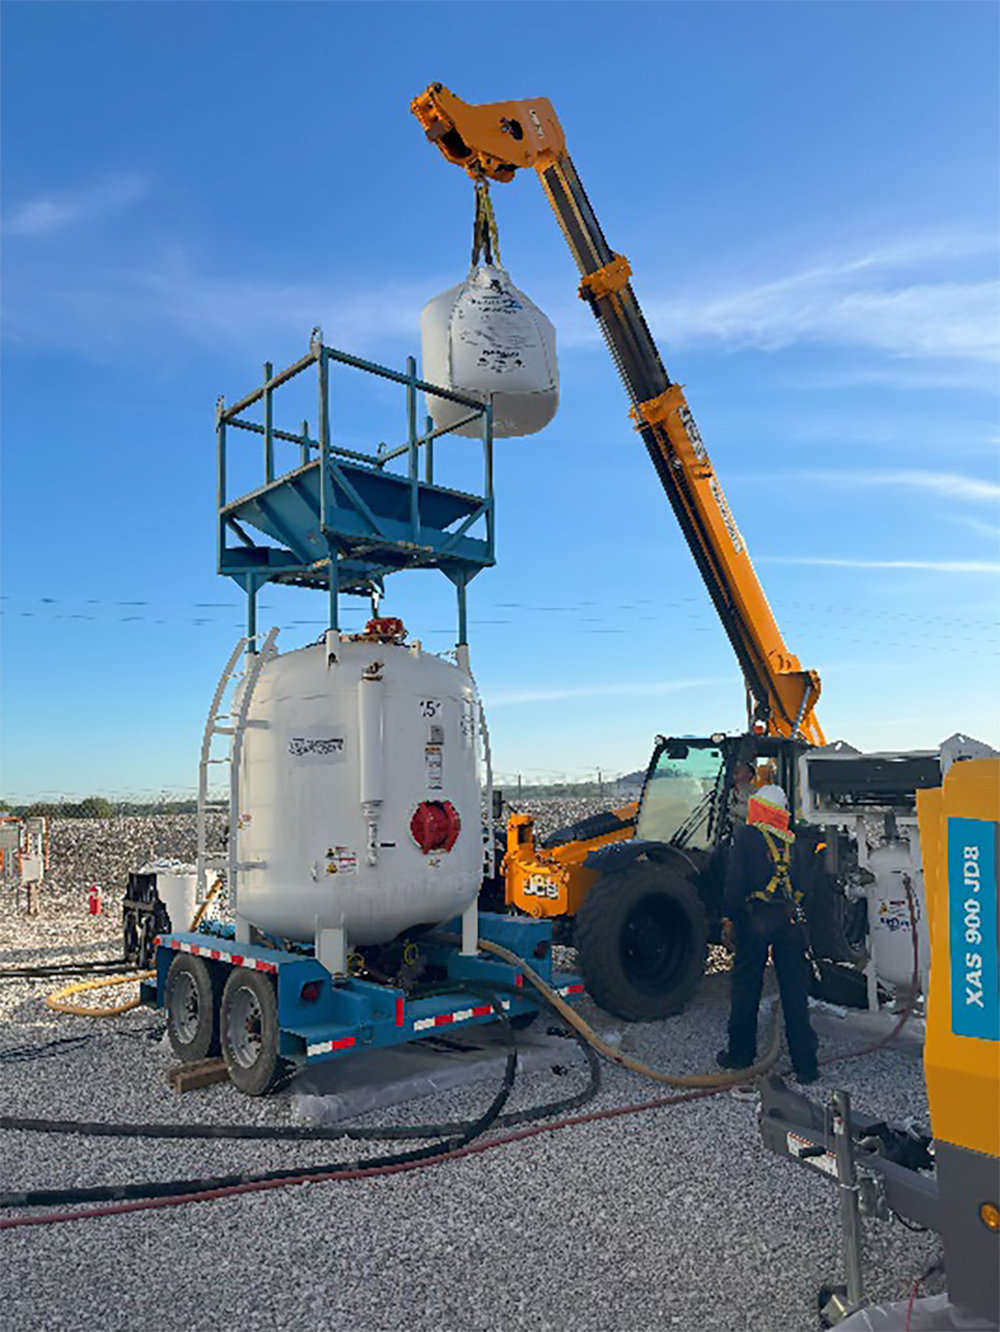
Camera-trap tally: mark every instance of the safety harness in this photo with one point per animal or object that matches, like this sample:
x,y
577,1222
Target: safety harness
x,y
779,887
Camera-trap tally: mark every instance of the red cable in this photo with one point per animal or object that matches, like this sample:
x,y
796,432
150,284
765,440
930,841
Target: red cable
x,y
472,1149
909,1307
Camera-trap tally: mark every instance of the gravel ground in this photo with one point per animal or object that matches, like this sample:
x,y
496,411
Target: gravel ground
x,y
83,852
673,1218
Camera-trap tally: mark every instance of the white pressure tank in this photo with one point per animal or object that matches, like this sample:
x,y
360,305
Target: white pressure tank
x,y
890,922
485,338
359,792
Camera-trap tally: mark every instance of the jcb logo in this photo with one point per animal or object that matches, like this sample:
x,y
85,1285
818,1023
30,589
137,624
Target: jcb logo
x,y
540,886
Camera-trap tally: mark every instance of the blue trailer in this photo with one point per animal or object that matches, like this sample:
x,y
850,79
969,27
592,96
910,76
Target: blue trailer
x,y
265,1009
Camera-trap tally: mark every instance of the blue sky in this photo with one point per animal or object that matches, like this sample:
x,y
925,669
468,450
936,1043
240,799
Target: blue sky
x,y
808,197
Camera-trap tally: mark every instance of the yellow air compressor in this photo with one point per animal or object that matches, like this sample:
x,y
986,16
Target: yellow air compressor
x,y
950,1181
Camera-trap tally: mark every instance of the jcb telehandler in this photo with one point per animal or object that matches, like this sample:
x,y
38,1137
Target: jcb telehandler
x,y
640,896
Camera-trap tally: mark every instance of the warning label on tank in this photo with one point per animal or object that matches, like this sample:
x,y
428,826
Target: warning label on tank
x,y
435,767
317,747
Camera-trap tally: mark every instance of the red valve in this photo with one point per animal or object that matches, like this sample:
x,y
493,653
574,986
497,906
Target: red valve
x,y
386,629
435,826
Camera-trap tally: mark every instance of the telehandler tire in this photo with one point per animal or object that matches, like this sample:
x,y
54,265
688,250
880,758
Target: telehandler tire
x,y
641,938
838,925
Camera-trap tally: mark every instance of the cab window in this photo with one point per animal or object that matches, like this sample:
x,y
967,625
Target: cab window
x,y
680,796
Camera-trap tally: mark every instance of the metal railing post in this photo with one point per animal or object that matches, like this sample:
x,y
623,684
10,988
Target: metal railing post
x,y
268,425
251,614
324,433
429,450
411,440
334,613
488,468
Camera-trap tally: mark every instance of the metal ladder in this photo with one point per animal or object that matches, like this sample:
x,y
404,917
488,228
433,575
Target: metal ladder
x,y
235,729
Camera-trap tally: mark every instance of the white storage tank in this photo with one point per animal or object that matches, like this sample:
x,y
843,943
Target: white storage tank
x,y
890,923
485,338
359,792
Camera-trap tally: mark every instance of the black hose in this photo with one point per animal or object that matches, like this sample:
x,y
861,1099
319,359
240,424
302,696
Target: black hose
x,y
170,1188
55,969
302,1133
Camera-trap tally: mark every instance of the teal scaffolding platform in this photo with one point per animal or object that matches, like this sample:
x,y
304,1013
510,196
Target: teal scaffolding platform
x,y
340,519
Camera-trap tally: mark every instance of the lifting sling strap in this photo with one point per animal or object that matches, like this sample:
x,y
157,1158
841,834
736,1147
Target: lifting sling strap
x,y
485,237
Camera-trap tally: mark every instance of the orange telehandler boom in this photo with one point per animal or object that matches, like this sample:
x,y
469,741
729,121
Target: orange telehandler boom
x,y
493,142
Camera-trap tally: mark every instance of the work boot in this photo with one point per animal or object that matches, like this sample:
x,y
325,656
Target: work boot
x,y
725,1060
807,1076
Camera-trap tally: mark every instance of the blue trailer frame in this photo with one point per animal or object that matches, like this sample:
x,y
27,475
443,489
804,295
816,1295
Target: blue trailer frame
x,y
322,1016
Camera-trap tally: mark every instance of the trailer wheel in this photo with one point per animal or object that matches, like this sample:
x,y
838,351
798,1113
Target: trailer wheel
x,y
192,1003
250,1032
522,1021
641,938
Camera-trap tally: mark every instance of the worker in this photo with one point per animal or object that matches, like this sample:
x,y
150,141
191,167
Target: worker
x,y
762,913
744,781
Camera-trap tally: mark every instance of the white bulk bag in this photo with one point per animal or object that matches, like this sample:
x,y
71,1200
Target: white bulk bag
x,y
485,338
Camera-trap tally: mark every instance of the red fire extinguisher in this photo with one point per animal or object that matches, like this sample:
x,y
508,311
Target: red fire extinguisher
x,y
94,900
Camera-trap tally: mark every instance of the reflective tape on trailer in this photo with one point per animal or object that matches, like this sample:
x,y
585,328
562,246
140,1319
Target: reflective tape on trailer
x,y
570,989
325,1047
460,1015
219,955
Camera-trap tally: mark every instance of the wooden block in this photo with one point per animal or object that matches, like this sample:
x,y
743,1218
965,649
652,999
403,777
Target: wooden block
x,y
202,1073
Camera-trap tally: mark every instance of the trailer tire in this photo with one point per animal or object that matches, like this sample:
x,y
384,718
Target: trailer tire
x,y
641,938
192,1004
249,1030
522,1021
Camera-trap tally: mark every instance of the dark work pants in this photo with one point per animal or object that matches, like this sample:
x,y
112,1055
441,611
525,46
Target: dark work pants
x,y
764,927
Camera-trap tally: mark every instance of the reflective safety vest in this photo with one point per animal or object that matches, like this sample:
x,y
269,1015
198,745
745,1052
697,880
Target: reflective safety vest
x,y
779,887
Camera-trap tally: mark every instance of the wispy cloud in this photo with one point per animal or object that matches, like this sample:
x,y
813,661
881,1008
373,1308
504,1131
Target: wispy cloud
x,y
918,302
991,530
902,299
621,689
105,311
935,566
48,214
208,308
843,305
946,485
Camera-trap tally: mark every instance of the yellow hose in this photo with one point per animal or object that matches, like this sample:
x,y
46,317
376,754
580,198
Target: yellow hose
x,y
57,1001
732,1079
